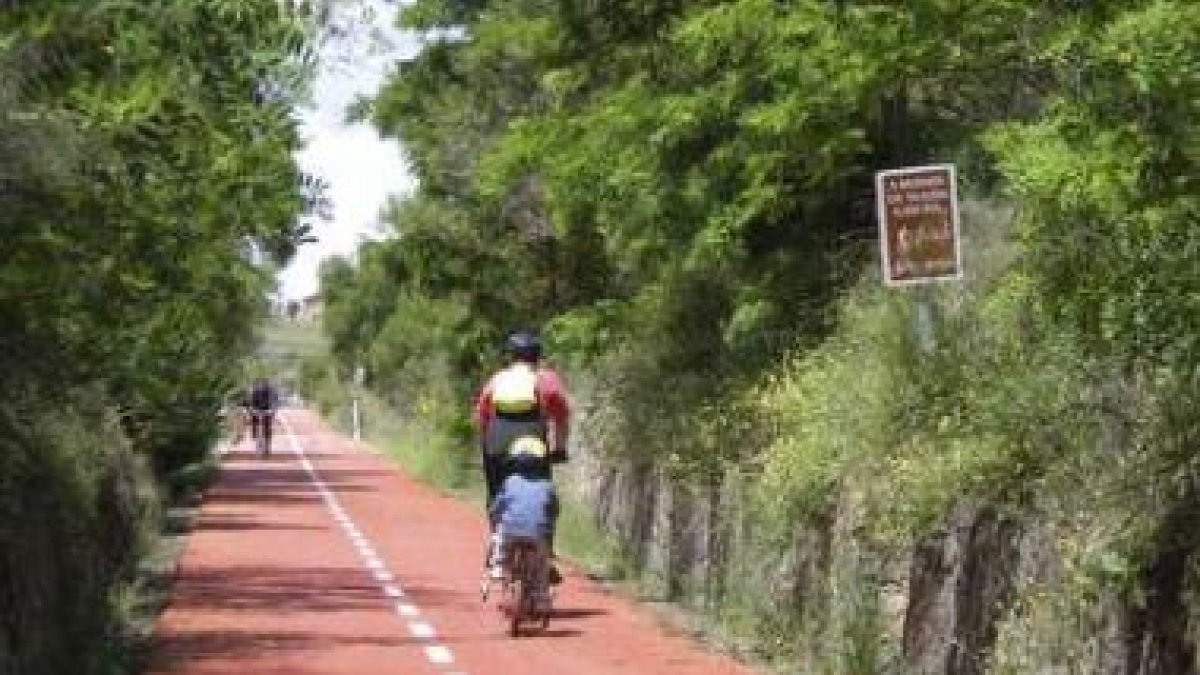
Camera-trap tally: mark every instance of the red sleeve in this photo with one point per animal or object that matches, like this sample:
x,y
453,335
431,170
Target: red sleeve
x,y
553,397
483,406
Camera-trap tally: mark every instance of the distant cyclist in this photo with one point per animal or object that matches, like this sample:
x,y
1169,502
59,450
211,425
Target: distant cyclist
x,y
525,398
262,402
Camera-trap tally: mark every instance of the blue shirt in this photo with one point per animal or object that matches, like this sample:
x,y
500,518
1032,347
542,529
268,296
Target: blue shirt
x,y
525,507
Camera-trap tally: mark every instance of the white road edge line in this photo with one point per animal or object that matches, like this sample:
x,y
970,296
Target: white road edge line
x,y
438,655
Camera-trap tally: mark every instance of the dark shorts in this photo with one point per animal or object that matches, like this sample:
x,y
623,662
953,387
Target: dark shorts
x,y
500,434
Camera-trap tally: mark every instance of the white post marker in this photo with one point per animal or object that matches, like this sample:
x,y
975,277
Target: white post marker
x,y
355,420
360,376
919,235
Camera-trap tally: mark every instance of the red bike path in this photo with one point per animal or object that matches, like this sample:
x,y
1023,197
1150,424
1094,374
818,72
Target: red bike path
x,y
326,559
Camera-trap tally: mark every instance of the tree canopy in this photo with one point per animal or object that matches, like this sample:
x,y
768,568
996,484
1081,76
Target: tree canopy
x,y
146,176
680,193
150,162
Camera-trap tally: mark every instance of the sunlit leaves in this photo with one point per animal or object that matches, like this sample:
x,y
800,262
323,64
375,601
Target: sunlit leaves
x,y
128,252
1110,174
734,142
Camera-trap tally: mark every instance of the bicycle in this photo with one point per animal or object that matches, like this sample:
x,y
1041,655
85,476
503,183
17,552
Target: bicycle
x,y
524,590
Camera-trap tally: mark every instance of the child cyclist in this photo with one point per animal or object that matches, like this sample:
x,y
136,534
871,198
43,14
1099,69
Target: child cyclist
x,y
526,509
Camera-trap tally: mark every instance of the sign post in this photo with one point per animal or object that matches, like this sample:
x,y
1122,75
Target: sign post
x,y
355,411
919,234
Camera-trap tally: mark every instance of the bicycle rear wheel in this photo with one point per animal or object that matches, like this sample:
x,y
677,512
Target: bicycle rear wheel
x,y
518,589
541,599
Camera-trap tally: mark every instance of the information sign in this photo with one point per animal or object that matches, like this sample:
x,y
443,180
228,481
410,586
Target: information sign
x,y
918,220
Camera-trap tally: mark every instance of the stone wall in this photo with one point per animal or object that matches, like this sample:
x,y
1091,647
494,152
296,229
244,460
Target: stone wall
x,y
936,608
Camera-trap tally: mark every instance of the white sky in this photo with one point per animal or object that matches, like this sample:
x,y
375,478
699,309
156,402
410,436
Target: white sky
x,y
362,169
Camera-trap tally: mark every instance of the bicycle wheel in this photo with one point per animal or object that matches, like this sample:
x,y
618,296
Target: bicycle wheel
x,y
544,612
537,578
518,591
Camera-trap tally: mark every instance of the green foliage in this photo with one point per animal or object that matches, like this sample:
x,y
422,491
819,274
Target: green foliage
x,y
76,503
680,192
148,165
1110,174
410,351
177,162
729,178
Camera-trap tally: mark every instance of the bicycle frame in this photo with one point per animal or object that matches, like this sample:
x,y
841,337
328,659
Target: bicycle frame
x,y
523,585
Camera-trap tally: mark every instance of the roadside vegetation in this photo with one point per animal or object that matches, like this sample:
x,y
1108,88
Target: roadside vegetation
x,y
680,193
147,169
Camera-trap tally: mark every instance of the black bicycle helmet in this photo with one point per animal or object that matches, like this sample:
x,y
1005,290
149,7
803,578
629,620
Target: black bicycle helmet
x,y
524,345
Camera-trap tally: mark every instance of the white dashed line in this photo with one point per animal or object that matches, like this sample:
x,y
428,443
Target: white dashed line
x,y
420,629
436,654
439,655
405,609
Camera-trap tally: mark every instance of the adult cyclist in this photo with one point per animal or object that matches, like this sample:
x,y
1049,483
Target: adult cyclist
x,y
525,398
263,400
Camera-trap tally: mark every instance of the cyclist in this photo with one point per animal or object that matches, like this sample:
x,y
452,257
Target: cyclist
x,y
262,402
525,398
525,510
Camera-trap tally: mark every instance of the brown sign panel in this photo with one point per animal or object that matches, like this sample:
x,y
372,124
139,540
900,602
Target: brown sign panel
x,y
918,221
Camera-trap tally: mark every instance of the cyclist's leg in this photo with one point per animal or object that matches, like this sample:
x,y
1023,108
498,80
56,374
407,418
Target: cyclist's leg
x,y
541,574
494,466
494,469
268,422
494,448
494,559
